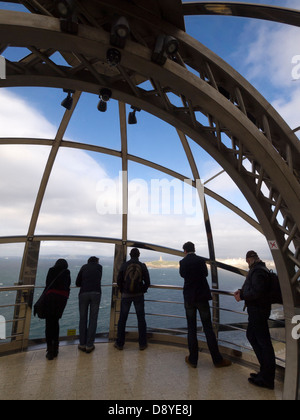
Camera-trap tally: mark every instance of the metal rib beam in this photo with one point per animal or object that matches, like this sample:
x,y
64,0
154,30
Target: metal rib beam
x,y
248,10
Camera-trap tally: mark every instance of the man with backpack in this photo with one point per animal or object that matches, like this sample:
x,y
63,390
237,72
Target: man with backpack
x,y
256,292
133,282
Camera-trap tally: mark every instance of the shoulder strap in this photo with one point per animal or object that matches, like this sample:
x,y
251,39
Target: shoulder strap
x,y
53,281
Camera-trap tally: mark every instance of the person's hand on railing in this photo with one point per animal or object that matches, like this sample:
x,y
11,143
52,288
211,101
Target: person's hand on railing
x,y
237,296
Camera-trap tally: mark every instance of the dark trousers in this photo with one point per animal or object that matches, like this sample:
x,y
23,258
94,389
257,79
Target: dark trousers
x,y
191,316
52,333
89,304
139,304
258,334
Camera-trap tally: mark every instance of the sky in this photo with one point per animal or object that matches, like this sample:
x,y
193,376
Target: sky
x,y
83,194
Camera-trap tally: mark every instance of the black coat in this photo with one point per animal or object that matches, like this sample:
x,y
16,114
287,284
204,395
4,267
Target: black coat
x,y
89,278
194,271
58,294
255,290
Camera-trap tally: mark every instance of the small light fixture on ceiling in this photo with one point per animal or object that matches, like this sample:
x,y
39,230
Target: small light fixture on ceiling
x,y
132,117
113,57
105,95
165,46
119,32
68,101
66,10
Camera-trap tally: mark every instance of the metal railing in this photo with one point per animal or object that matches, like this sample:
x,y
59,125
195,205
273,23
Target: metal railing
x,y
19,314
19,338
239,326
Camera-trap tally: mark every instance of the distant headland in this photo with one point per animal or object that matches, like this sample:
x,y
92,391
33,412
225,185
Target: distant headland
x,y
162,264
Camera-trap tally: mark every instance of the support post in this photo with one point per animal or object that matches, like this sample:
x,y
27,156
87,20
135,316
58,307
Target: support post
x,y
120,258
24,299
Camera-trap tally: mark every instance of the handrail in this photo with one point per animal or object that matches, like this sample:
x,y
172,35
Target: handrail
x,y
232,325
16,288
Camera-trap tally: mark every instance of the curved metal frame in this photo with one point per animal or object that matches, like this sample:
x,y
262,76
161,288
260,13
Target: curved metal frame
x,y
249,10
244,134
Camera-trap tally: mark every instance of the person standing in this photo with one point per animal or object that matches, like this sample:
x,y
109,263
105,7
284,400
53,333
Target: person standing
x,y
255,293
133,282
58,284
89,280
197,295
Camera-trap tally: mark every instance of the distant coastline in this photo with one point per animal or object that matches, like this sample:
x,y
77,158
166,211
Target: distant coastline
x,y
237,262
162,264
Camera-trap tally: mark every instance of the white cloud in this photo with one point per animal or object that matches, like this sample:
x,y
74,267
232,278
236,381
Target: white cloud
x,y
19,119
269,55
268,62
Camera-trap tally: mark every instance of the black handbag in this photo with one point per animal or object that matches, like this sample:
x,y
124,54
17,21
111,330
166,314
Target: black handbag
x,y
39,308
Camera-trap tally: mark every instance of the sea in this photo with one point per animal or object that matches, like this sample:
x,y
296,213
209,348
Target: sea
x,y
164,308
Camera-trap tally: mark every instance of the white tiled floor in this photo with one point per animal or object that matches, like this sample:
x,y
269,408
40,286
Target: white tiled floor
x,y
158,373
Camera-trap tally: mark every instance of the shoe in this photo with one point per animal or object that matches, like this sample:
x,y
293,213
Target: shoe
x,y
82,348
223,363
260,383
187,360
50,355
253,375
90,349
118,347
143,347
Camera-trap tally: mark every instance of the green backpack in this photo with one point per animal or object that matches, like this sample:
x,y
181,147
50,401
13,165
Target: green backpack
x,y
133,279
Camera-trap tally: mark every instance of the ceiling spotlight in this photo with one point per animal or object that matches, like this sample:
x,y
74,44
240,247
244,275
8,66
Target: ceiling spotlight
x,y
102,106
113,57
119,32
68,101
105,95
132,117
165,46
171,45
65,8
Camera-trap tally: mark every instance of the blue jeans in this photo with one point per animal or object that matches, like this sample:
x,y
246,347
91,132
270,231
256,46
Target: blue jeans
x,y
191,315
89,304
139,304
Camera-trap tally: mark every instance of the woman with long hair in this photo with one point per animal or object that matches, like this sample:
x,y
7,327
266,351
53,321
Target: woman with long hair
x,y
59,280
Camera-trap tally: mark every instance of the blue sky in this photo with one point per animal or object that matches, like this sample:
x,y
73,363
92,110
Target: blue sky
x,y
261,51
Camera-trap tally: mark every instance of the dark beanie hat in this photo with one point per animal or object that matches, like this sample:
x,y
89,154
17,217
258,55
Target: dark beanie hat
x,y
251,254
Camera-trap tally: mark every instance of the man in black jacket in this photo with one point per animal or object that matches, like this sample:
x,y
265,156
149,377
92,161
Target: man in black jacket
x,y
197,295
133,281
89,280
255,292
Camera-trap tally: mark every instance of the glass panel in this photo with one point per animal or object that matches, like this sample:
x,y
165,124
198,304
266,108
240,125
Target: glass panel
x,y
157,141
76,255
233,236
163,210
21,170
21,113
88,125
73,203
